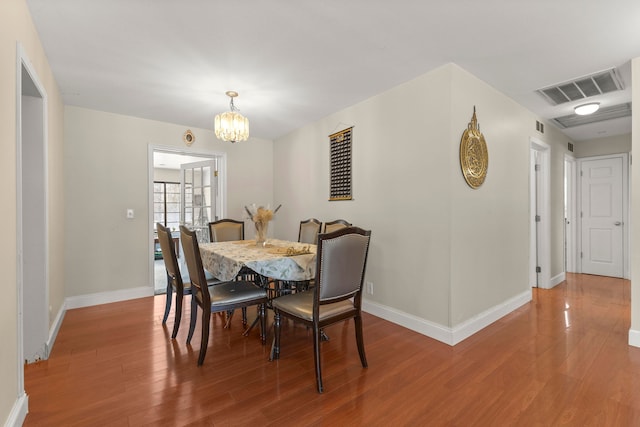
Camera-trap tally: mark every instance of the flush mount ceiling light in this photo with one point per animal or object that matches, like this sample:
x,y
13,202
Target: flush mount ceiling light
x,y
586,109
232,126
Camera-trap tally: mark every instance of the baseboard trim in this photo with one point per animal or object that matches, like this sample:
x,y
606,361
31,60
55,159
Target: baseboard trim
x,y
409,321
55,327
556,280
487,317
19,411
450,336
108,297
634,338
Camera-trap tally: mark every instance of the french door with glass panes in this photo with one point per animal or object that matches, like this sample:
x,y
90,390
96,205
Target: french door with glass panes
x,y
199,184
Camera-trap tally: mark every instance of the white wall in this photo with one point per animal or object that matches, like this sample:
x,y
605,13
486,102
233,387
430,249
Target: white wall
x,y
106,172
603,146
16,27
441,252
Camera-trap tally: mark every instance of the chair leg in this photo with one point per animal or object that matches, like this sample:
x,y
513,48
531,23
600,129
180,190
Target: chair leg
x,y
275,351
167,305
263,323
204,343
244,316
316,356
227,323
360,340
178,316
194,316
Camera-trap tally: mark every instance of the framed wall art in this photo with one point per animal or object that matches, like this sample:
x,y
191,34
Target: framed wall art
x,y
340,165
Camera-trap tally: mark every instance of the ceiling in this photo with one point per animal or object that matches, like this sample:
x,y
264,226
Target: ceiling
x,y
294,62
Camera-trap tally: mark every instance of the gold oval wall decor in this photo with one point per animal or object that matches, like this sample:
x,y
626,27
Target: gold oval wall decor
x,y
188,137
474,157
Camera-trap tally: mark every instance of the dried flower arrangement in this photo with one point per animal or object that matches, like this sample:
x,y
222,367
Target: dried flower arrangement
x,y
261,217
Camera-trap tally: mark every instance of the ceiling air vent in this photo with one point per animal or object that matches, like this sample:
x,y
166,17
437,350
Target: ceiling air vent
x,y
605,113
583,87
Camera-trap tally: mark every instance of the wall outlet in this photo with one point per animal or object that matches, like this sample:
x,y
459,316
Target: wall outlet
x,y
130,214
369,286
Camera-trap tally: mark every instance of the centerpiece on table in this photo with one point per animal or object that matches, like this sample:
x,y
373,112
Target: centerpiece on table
x,y
261,217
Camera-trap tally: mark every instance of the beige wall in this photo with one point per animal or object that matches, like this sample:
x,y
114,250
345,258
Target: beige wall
x,y
440,251
603,146
106,173
490,225
16,27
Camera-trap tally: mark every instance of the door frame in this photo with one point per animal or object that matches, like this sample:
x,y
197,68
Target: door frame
x,y
222,185
23,159
626,219
543,239
571,207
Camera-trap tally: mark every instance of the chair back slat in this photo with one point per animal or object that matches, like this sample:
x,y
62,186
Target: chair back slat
x,y
191,251
342,258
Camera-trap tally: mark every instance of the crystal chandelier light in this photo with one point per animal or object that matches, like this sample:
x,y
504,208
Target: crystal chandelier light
x,y
232,126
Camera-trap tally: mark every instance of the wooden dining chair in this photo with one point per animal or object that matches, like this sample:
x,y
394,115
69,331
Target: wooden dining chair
x,y
226,230
337,224
175,282
308,232
220,298
229,230
341,263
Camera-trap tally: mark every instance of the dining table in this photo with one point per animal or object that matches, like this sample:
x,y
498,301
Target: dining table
x,y
276,259
281,262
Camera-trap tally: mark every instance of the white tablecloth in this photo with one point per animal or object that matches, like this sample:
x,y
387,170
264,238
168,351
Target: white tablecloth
x,y
225,259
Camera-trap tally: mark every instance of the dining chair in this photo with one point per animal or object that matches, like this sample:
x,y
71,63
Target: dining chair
x,y
340,266
229,230
335,225
175,282
220,298
226,230
308,232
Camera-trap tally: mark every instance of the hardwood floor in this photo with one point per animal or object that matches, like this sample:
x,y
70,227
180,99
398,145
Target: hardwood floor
x,y
562,359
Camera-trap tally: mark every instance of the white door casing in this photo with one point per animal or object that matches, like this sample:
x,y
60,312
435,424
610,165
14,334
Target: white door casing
x,y
602,215
32,208
540,213
570,207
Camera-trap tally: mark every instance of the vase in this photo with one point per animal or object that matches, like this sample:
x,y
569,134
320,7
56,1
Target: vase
x,y
261,232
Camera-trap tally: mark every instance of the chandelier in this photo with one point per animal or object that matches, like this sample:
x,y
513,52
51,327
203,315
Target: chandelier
x,y
232,126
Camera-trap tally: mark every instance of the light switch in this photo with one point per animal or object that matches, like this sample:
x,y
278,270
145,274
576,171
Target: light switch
x,y
130,214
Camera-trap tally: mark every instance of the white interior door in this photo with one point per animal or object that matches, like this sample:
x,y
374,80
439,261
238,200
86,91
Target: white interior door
x,y
602,216
199,189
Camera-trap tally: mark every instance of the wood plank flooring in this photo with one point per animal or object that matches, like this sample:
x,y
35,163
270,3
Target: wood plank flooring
x,y
562,359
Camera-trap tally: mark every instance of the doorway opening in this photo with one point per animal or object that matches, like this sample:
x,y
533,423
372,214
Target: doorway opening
x,y
185,188
32,251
